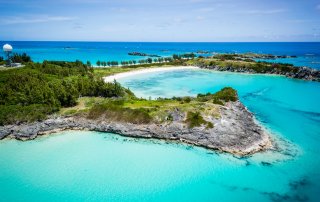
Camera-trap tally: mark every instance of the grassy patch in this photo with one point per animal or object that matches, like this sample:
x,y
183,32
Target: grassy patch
x,y
138,111
114,111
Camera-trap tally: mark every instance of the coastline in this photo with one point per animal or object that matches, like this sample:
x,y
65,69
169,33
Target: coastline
x,y
303,73
134,72
235,132
111,78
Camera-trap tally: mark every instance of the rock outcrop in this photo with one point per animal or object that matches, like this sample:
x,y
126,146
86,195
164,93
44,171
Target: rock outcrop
x,y
235,131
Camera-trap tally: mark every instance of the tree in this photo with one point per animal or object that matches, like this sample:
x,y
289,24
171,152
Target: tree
x,y
98,63
134,62
114,63
21,58
176,57
108,63
169,59
149,60
88,63
155,60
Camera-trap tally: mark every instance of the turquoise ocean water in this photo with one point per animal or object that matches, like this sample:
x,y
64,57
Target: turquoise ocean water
x,y
92,166
73,166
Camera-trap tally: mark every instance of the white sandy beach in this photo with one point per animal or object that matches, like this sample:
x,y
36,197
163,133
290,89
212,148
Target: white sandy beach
x,y
144,71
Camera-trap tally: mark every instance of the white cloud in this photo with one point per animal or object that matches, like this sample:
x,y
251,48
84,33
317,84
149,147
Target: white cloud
x,y
35,19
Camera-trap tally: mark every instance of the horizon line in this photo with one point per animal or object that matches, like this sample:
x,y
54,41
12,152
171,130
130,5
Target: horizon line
x,y
161,41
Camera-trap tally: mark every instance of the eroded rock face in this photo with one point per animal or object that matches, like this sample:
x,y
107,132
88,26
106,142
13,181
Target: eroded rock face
x,y
235,131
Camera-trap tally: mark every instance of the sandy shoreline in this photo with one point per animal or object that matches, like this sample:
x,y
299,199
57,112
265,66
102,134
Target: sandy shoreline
x,y
144,71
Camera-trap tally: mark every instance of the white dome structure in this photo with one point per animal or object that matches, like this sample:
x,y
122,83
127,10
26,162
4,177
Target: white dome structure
x,y
7,48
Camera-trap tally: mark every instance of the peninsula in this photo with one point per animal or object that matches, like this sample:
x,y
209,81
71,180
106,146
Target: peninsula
x,y
42,98
54,96
246,63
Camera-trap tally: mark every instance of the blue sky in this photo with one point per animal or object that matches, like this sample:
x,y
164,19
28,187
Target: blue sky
x,y
162,20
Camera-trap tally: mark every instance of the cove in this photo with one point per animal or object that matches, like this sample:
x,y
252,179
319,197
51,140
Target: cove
x,y
289,108
92,166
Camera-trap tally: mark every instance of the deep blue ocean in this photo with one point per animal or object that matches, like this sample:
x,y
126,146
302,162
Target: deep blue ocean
x,y
308,53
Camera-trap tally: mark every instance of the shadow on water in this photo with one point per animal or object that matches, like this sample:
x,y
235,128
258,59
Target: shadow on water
x,y
296,191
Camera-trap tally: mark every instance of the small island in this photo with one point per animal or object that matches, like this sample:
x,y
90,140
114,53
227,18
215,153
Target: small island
x,y
143,54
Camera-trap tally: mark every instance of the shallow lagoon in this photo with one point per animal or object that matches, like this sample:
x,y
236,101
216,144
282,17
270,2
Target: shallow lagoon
x,y
95,166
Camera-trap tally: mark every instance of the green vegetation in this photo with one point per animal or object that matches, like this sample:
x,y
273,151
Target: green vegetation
x,y
2,62
10,114
225,95
231,63
223,62
148,61
192,111
21,58
37,90
109,63
194,119
113,110
183,56
101,72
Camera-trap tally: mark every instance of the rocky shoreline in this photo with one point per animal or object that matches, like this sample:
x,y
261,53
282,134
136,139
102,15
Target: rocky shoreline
x,y
235,131
304,73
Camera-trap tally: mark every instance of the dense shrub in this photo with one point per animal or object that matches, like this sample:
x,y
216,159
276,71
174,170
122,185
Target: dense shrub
x,y
16,113
20,58
51,85
224,95
194,119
